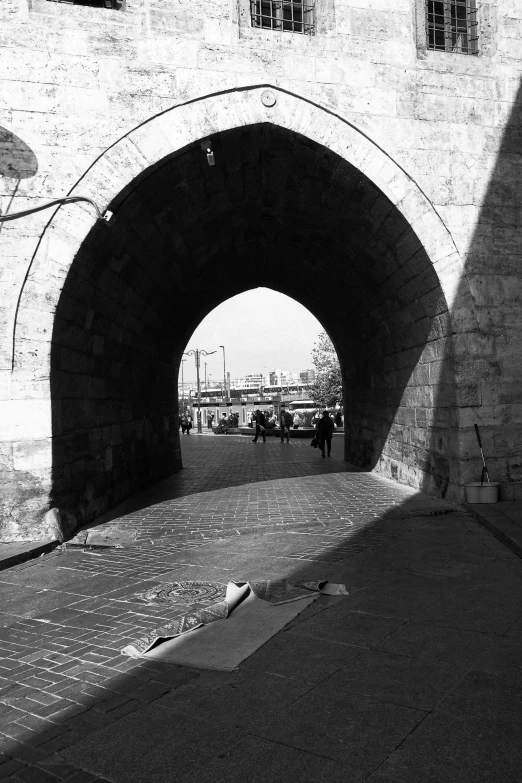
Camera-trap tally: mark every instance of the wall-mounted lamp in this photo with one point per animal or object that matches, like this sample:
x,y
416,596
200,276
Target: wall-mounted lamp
x,y
206,146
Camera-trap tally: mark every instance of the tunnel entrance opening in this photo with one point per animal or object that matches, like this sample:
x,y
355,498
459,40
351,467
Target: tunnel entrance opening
x,y
258,350
277,207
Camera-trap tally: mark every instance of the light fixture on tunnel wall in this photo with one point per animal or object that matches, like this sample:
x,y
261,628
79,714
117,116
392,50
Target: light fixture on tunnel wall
x,y
206,146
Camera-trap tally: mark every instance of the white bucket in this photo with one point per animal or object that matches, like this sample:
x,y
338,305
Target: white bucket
x,y
482,493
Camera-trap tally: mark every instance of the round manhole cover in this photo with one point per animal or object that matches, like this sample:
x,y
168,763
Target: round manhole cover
x,y
186,592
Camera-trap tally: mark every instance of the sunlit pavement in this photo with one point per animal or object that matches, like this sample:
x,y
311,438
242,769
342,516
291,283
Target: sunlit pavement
x,y
414,677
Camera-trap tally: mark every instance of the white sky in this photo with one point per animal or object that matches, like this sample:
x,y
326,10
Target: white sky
x,y
261,330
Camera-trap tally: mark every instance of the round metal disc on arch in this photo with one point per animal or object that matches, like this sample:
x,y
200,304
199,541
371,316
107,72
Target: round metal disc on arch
x,y
298,200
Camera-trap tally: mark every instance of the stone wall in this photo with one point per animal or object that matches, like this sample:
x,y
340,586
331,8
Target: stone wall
x,y
76,79
114,424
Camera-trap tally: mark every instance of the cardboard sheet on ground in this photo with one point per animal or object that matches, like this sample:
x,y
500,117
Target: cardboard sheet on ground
x,y
224,645
252,613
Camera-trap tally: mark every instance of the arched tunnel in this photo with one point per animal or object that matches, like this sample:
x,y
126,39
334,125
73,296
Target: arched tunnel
x,y
276,210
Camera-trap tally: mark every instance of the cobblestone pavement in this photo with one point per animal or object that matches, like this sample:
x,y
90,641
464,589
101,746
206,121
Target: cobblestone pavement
x,y
415,676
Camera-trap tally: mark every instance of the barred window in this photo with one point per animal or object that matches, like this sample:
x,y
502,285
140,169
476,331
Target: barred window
x,y
293,16
116,5
451,26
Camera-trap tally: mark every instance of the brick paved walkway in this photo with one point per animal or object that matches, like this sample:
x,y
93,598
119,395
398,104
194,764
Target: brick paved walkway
x,y
231,486
415,676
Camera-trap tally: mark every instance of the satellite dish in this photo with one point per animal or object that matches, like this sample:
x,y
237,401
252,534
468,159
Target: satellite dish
x,y
17,160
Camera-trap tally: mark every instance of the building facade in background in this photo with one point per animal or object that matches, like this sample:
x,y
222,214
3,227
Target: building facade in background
x,y
361,157
307,376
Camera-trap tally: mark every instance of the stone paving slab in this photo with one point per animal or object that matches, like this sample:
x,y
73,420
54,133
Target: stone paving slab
x,y
273,761
356,688
503,520
443,748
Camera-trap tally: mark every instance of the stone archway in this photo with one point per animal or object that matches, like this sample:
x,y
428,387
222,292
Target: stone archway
x,y
133,167
168,133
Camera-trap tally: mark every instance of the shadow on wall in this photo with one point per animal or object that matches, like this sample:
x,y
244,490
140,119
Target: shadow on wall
x,y
17,162
485,354
398,402
114,424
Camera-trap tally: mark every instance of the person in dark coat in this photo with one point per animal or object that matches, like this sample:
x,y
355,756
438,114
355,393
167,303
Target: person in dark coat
x,y
285,422
325,428
260,426
186,423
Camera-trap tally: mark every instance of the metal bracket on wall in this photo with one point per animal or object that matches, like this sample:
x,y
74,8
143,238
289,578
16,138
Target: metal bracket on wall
x,y
105,216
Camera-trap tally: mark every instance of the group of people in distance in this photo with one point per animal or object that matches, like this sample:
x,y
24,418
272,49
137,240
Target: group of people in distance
x,y
186,423
226,422
324,428
286,421
323,423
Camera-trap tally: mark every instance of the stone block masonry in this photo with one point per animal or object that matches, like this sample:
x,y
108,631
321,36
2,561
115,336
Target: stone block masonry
x,y
389,169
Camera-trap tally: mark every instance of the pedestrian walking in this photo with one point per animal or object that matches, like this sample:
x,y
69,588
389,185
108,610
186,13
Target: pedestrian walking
x,y
210,419
325,427
260,426
285,422
296,420
338,418
186,423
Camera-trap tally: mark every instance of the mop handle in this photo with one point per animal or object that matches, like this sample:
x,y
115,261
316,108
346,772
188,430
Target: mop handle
x,y
484,469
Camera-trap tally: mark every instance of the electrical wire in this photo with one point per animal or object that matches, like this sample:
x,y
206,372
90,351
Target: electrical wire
x,y
66,200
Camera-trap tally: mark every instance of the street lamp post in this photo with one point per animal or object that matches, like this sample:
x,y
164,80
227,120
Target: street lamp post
x,y
182,387
197,354
224,376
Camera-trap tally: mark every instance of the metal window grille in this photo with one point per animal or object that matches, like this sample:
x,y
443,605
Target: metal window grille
x,y
293,16
451,26
117,5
